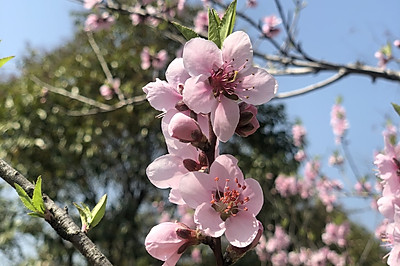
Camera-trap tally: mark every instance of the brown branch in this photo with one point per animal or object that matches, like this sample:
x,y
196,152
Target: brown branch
x,y
312,87
58,218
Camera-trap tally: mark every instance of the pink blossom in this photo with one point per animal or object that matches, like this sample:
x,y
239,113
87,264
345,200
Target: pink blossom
x,y
165,95
382,59
146,58
96,23
224,201
196,255
261,249
159,60
251,3
339,122
396,43
201,22
336,159
363,187
248,123
286,186
269,27
298,132
279,241
89,4
311,169
220,77
167,241
392,237
300,155
336,234
279,258
106,92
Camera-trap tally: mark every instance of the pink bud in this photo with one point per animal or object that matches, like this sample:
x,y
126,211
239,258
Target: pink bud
x,y
167,241
106,92
397,43
248,123
184,128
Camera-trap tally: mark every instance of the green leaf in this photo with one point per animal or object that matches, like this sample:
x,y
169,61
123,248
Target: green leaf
x,y
82,214
228,21
37,198
396,108
26,200
5,60
187,32
213,28
36,214
98,211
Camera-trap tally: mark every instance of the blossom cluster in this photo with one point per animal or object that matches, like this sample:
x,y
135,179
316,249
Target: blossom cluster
x,y
388,166
208,95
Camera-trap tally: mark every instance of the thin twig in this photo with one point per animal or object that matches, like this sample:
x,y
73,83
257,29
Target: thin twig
x,y
312,87
59,220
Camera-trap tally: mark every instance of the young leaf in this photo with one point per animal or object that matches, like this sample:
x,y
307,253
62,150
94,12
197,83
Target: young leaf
x,y
37,198
213,28
228,21
36,214
82,214
396,108
5,60
26,200
98,211
188,33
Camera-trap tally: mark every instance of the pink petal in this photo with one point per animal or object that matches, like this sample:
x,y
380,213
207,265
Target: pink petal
x,y
196,188
241,229
237,46
209,220
257,87
225,118
225,167
173,260
254,192
176,73
161,95
200,56
175,197
166,171
198,94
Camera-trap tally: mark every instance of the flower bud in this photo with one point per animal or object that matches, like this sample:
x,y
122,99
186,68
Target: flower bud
x,y
248,123
184,128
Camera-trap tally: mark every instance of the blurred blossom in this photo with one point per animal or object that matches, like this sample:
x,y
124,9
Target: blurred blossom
x,y
396,43
96,23
300,156
279,241
298,132
251,3
89,4
261,249
339,122
279,258
196,255
336,159
286,186
269,27
382,59
158,61
336,234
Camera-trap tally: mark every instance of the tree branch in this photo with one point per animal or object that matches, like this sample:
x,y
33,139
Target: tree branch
x,y
312,87
58,218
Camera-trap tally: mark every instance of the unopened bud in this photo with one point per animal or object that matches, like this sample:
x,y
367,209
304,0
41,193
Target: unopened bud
x,y
248,123
184,128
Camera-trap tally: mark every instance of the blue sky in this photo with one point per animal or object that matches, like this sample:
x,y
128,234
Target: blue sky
x,y
339,31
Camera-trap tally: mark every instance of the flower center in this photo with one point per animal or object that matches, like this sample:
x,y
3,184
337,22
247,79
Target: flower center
x,y
224,80
228,202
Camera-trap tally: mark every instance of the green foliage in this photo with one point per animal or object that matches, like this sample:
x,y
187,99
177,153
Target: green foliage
x,y
34,204
5,60
219,29
89,218
187,32
396,108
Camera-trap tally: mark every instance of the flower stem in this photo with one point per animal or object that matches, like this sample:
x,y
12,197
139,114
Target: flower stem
x,y
212,138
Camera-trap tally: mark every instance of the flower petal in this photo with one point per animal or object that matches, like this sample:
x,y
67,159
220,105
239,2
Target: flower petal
x,y
257,87
209,220
198,95
196,188
237,46
241,229
161,95
225,118
254,192
176,73
166,171
200,56
225,167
